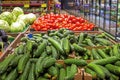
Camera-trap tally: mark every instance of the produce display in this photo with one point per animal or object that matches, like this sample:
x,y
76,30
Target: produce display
x,y
36,56
63,43
15,21
23,67
57,21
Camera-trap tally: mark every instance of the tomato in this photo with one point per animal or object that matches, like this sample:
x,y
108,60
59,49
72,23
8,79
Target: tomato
x,y
57,21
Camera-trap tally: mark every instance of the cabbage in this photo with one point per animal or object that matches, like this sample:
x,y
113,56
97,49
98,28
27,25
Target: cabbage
x,y
21,22
16,27
31,17
17,11
7,16
23,18
4,25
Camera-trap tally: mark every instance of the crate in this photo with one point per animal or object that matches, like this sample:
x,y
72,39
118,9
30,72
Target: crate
x,y
5,49
17,41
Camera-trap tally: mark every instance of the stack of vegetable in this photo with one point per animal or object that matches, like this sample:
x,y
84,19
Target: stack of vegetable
x,y
57,21
24,67
16,20
96,54
35,57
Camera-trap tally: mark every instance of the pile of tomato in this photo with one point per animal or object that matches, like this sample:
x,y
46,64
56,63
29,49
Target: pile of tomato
x,y
57,21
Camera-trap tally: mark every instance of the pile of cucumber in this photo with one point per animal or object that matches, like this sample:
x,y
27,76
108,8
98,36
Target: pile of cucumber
x,y
24,67
107,69
35,57
97,53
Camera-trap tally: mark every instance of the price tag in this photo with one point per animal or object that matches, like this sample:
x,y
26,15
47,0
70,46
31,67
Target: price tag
x,y
43,5
26,5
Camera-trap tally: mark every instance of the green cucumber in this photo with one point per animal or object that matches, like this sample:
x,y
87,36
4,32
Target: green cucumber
x,y
77,48
66,46
62,74
32,72
15,61
12,75
100,73
22,62
54,53
49,62
93,73
56,45
105,61
95,54
73,71
117,63
106,71
4,65
78,62
24,75
89,42
40,49
114,69
102,53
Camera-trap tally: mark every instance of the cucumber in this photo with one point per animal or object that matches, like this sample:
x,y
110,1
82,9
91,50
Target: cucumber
x,y
114,69
114,77
33,60
32,72
89,42
3,76
42,78
97,69
81,38
53,71
105,70
102,54
15,61
40,49
93,73
4,65
95,54
115,50
25,74
117,63
28,47
78,62
22,62
66,46
20,49
62,74
73,71
103,41
12,75
47,75
56,45
49,62
54,53
105,61
44,54
68,69
77,48
48,49
39,69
